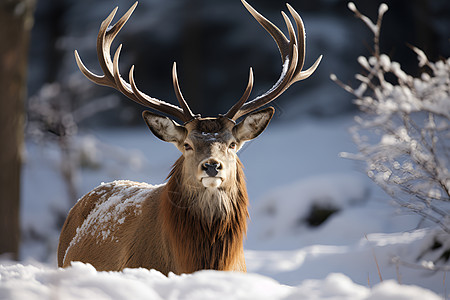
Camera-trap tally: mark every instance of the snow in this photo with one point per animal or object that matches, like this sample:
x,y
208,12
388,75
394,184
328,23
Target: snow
x,y
289,168
82,281
275,86
210,136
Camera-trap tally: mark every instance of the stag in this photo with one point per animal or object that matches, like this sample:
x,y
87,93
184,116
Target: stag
x,y
198,219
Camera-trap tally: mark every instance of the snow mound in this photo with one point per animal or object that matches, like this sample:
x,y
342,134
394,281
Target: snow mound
x,y
287,208
82,281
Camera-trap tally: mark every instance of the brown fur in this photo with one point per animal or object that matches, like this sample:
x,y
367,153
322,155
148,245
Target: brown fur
x,y
170,233
217,244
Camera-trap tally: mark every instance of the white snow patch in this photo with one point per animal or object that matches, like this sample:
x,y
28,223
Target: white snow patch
x,y
116,200
282,76
82,281
285,208
210,136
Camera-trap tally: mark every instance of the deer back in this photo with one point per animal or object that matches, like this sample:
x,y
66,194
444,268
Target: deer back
x,y
117,225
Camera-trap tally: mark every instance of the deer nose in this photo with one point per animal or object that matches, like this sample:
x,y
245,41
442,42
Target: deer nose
x,y
211,167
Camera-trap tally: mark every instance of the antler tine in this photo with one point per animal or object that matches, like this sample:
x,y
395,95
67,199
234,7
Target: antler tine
x,y
293,56
176,86
111,76
98,79
156,104
275,32
301,34
105,38
299,74
281,85
121,84
132,92
233,110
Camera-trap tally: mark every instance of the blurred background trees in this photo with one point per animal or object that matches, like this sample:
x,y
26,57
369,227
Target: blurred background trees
x,y
16,20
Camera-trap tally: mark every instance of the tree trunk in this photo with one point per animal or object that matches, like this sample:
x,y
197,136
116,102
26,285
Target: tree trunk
x,y
16,20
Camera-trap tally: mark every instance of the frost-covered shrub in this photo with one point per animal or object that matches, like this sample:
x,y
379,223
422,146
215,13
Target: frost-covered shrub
x,y
403,132
53,118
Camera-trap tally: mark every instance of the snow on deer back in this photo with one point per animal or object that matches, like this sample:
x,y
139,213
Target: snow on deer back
x,y
102,218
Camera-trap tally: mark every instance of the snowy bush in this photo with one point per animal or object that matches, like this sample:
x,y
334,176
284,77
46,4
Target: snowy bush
x,y
54,117
403,132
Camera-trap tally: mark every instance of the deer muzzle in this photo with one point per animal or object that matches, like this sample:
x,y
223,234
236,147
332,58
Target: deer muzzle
x,y
210,171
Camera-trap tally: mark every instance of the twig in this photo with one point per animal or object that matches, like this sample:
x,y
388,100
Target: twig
x,y
376,261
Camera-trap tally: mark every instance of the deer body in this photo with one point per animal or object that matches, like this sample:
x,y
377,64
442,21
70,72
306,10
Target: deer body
x,y
139,232
198,219
183,226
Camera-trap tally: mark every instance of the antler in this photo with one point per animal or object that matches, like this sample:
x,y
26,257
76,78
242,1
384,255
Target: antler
x,y
292,54
293,57
112,76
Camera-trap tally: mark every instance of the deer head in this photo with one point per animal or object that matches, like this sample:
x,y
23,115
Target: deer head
x,y
208,145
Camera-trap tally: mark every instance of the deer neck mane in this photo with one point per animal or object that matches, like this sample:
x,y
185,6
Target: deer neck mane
x,y
206,226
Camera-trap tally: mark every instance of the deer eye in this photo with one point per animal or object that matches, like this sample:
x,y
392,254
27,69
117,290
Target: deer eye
x,y
232,145
187,147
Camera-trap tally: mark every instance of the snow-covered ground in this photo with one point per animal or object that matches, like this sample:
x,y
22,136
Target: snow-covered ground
x,y
290,169
82,281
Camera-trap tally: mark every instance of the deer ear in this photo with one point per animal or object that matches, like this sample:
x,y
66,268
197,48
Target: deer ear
x,y
253,124
164,128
